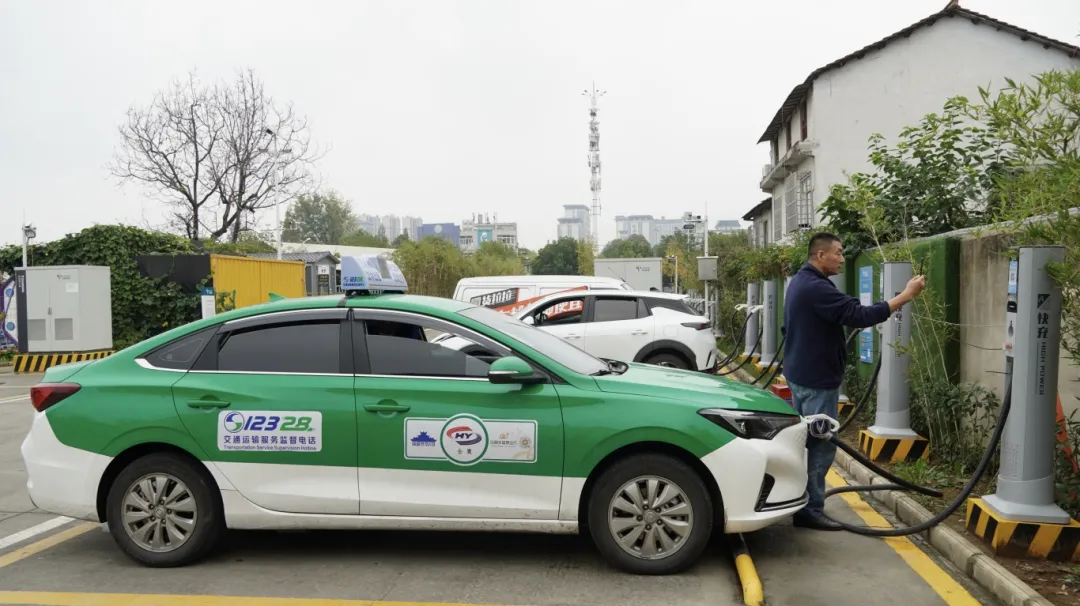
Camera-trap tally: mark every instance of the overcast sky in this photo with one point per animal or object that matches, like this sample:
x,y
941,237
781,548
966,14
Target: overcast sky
x,y
441,109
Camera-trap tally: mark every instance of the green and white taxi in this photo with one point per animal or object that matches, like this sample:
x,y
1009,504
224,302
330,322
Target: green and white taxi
x,y
343,412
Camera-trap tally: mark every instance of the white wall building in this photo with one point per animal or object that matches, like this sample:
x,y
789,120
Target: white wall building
x,y
575,222
486,228
634,225
821,130
651,228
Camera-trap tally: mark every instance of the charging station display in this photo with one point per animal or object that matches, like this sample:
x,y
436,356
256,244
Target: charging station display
x,y
866,337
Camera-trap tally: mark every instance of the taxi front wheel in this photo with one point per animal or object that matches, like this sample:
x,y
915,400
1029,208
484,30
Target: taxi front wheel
x,y
162,512
650,514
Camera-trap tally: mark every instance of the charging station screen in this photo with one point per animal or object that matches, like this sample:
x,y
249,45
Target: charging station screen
x,y
866,337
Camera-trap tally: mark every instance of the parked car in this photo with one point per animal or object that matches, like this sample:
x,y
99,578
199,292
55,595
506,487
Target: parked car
x,y
631,326
508,294
341,412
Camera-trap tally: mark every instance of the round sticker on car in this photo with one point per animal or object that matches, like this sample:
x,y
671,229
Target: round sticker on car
x,y
464,439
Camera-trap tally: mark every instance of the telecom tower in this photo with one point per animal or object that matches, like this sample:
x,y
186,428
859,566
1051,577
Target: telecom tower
x,y
594,163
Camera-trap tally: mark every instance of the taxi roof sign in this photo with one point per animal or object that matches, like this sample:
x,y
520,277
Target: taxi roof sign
x,y
371,273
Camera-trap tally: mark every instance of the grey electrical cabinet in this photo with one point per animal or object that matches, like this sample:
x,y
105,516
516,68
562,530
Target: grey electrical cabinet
x,y
64,309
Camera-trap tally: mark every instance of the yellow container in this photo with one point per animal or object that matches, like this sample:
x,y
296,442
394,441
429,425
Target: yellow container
x,y
254,279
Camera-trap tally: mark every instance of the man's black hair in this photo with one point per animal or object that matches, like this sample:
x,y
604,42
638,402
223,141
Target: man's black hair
x,y
819,241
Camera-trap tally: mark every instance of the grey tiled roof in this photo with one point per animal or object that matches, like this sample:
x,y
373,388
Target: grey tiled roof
x,y
306,257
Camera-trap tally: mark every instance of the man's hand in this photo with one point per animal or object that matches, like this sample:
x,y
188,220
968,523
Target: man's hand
x,y
914,287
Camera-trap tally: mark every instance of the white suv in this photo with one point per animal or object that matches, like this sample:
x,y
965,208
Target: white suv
x,y
628,326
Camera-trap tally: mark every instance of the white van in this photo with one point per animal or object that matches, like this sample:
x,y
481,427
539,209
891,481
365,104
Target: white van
x,y
509,293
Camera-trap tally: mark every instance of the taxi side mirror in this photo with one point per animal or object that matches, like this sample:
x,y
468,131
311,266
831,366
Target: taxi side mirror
x,y
511,370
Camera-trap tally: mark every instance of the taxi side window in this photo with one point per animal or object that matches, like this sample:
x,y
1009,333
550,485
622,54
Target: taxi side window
x,y
301,347
181,353
407,349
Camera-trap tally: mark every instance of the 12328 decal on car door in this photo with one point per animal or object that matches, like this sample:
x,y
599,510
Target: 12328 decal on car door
x,y
263,430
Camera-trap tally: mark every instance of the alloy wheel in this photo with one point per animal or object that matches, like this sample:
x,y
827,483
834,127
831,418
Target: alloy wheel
x,y
650,517
159,512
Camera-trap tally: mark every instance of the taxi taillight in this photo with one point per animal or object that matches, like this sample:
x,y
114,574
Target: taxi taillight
x,y
44,395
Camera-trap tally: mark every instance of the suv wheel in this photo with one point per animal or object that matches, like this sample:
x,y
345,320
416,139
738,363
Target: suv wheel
x,y
668,361
650,514
162,511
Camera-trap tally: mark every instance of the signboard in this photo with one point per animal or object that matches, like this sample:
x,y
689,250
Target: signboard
x,y
484,235
9,313
507,300
866,336
207,302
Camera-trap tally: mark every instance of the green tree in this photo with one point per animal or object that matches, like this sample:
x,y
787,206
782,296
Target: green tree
x,y
497,259
559,258
586,259
634,247
318,218
433,266
938,177
402,238
363,238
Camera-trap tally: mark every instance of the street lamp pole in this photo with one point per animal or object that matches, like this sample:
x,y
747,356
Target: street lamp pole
x,y
29,233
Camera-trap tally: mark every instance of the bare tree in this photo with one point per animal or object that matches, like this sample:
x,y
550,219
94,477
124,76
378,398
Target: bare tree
x,y
216,155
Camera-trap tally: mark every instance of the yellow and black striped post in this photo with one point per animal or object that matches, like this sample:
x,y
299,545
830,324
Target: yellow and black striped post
x,y
892,450
1031,540
36,363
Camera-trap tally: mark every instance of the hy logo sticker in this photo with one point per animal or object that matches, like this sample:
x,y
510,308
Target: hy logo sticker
x,y
464,439
1042,299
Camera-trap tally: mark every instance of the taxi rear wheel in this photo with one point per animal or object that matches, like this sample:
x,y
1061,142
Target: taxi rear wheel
x,y
650,514
162,511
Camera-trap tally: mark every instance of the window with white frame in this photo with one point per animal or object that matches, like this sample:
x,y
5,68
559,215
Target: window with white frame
x,y
779,204
800,205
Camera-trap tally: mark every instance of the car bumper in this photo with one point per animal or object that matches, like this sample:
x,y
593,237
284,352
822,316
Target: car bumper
x,y
761,481
61,479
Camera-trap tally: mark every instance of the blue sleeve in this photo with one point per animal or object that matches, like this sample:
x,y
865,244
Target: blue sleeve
x,y
836,307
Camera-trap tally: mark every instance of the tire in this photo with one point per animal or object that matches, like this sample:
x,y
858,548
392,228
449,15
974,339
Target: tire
x,y
207,519
694,494
669,361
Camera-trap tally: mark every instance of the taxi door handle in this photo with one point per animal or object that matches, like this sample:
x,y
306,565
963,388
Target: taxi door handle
x,y
385,406
207,404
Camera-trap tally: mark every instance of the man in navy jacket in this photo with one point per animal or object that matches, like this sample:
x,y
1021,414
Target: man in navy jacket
x,y
815,353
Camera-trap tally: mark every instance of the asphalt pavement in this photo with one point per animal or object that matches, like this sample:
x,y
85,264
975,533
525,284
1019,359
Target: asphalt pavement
x,y
50,560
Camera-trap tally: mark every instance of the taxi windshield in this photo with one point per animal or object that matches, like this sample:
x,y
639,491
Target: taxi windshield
x,y
546,343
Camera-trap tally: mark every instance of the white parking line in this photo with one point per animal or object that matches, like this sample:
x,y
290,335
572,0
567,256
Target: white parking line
x,y
14,399
33,531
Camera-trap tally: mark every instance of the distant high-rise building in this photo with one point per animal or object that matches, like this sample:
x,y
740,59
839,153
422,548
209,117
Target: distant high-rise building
x,y
575,222
411,226
393,225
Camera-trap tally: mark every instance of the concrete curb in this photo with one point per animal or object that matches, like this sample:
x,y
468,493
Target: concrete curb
x,y
977,565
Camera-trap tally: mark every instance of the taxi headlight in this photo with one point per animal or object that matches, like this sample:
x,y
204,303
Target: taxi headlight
x,y
750,424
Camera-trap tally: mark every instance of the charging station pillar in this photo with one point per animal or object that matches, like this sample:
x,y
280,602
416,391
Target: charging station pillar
x,y
750,338
1025,486
891,438
768,332
845,406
